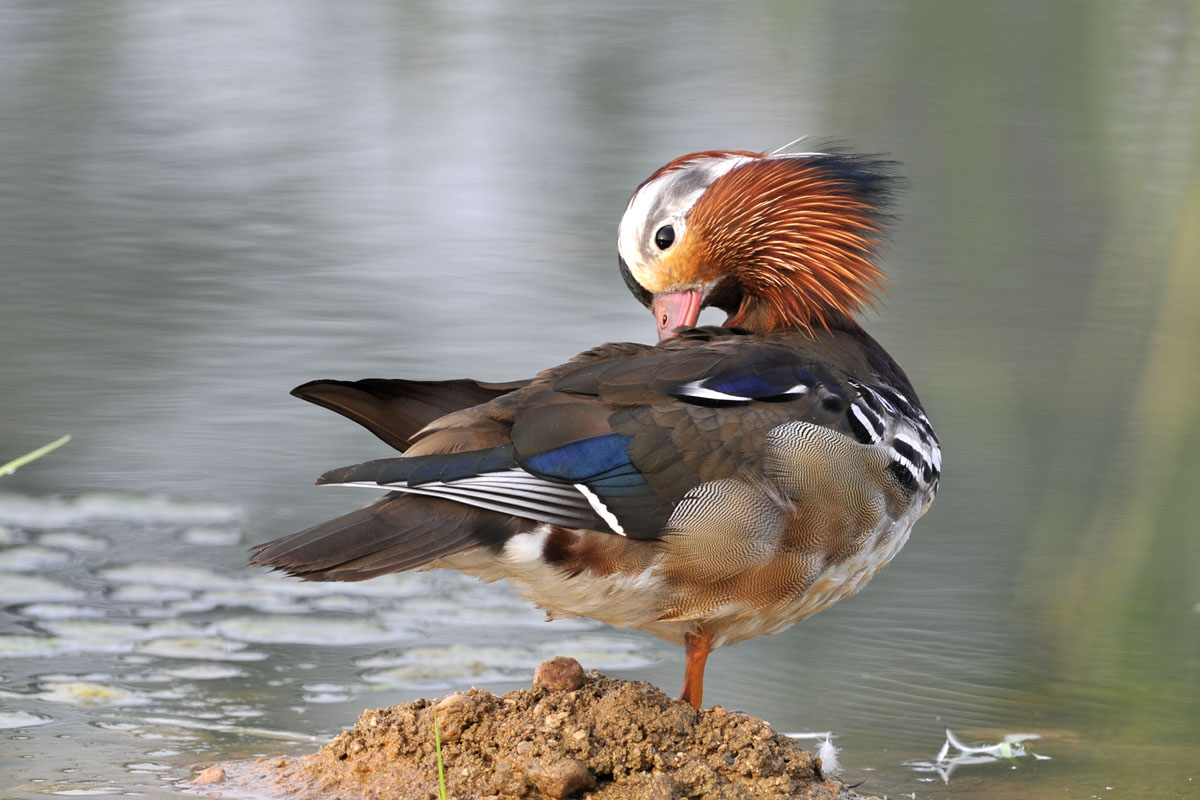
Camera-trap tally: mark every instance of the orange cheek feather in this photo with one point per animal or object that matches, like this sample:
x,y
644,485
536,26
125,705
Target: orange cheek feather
x,y
683,267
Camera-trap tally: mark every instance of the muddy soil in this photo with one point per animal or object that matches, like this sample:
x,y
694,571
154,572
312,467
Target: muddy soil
x,y
572,735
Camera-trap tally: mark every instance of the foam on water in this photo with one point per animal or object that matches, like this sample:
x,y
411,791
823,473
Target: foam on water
x,y
201,672
304,629
18,645
157,574
109,636
30,558
437,666
497,606
437,656
405,584
342,603
86,693
604,650
58,512
208,648
329,692
60,611
140,593
85,789
74,540
212,537
15,720
245,597
32,589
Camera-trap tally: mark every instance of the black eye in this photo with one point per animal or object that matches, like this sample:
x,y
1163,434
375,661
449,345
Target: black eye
x,y
664,237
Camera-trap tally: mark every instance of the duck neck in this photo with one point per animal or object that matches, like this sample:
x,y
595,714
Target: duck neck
x,y
756,315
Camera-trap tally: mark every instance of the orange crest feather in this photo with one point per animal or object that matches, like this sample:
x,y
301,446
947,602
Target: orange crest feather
x,y
799,233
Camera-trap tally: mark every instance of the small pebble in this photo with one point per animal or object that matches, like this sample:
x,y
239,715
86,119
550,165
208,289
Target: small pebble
x,y
554,720
450,701
560,779
562,674
214,774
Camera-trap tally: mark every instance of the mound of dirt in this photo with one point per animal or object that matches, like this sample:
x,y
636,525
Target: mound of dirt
x,y
570,736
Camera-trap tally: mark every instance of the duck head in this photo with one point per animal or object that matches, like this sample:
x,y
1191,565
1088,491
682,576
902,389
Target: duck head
x,y
777,241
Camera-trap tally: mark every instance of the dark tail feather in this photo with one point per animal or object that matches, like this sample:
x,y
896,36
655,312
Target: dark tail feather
x,y
394,409
415,470
396,533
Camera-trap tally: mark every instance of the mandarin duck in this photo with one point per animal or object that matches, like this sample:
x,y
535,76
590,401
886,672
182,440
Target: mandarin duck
x,y
720,485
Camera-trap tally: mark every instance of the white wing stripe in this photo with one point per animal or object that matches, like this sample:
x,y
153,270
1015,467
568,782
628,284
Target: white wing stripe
x,y
694,389
698,390
598,505
513,492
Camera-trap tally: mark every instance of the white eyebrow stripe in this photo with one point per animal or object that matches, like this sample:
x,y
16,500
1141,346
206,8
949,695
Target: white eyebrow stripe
x,y
631,232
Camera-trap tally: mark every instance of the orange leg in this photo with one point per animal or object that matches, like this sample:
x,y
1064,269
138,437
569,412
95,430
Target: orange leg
x,y
696,649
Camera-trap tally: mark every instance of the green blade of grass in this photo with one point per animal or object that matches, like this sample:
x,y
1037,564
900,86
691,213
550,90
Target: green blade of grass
x,y
437,742
16,463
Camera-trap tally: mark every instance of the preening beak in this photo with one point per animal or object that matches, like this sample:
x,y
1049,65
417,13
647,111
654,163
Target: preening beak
x,y
675,310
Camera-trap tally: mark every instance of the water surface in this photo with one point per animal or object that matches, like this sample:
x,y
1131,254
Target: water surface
x,y
203,205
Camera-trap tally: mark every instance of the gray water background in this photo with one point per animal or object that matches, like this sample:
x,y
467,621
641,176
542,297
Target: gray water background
x,y
204,204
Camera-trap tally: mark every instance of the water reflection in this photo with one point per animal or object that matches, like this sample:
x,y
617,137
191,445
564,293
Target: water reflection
x,y
204,205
